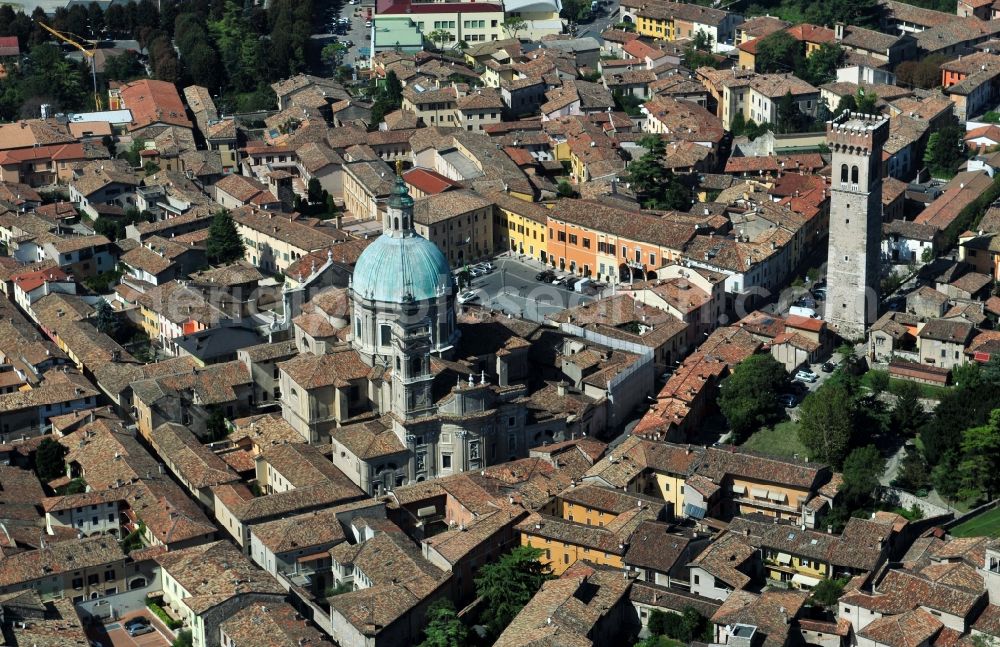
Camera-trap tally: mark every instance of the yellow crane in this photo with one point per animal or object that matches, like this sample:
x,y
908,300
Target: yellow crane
x,y
89,53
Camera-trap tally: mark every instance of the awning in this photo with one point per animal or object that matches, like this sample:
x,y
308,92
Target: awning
x,y
777,496
757,493
739,489
805,580
784,559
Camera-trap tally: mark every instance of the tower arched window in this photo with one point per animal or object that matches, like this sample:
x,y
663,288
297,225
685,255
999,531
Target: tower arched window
x,y
854,175
843,173
395,223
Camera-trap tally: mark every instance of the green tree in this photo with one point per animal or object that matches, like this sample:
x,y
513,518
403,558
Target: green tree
x,y
105,320
778,52
565,190
507,584
224,243
821,65
702,41
945,150
828,591
862,469
913,474
738,124
124,67
183,639
657,187
215,427
315,191
748,398
513,25
980,467
790,119
49,463
439,36
826,424
443,626
908,414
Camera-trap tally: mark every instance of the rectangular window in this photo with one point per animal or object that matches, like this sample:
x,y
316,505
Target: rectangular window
x,y
586,243
446,461
572,239
385,334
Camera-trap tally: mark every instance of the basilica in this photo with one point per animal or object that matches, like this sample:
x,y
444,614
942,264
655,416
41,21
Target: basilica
x,y
410,397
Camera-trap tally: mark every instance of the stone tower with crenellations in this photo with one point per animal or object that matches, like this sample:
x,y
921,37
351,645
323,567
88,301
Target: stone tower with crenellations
x,y
852,271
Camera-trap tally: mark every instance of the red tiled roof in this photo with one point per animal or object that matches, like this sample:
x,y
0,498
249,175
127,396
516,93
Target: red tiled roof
x,y
32,280
52,151
405,6
154,102
9,46
428,182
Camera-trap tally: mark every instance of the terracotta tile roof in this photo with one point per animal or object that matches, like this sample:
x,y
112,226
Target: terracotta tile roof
x,y
947,330
910,629
723,559
165,508
657,546
440,207
334,369
195,463
567,611
760,26
770,612
271,625
153,102
213,384
214,573
369,440
59,558
684,120
401,578
626,223
299,233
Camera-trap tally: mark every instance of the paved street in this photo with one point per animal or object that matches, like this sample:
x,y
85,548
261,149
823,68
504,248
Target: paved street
x,y
606,16
512,288
356,33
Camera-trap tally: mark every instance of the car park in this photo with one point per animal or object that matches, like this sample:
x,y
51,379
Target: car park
x,y
805,375
138,627
468,297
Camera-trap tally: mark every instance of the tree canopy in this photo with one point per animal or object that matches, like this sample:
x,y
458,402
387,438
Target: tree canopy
x,y
657,187
443,626
945,150
507,584
49,457
224,244
748,398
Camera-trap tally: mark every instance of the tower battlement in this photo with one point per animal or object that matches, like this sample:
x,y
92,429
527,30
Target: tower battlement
x,y
857,132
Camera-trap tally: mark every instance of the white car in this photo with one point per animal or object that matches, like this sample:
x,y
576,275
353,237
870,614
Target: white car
x,y
468,297
806,375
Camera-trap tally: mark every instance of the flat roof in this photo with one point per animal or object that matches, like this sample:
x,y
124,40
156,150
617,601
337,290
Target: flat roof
x,y
109,116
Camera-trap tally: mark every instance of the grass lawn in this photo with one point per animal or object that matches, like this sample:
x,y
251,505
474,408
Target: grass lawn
x,y
780,440
929,391
985,525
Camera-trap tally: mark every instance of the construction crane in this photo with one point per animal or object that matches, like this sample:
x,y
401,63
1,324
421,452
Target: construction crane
x,y
89,53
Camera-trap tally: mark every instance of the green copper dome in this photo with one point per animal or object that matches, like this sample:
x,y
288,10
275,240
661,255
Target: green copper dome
x,y
397,269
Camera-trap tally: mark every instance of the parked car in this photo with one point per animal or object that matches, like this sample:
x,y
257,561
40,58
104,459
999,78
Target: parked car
x,y
829,367
488,266
805,302
468,297
476,272
138,627
788,400
805,375
571,282
545,275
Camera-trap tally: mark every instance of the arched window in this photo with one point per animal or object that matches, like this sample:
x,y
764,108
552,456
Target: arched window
x,y
395,223
854,175
843,173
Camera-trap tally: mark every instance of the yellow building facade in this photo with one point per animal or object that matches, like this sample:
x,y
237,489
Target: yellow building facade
x,y
559,555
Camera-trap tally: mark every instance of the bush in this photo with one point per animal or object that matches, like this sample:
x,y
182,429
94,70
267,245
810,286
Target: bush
x,y
158,611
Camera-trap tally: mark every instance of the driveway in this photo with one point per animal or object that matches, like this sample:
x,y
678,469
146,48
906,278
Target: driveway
x,y
113,634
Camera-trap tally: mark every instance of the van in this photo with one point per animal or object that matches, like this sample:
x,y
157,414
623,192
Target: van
x,y
583,283
800,311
